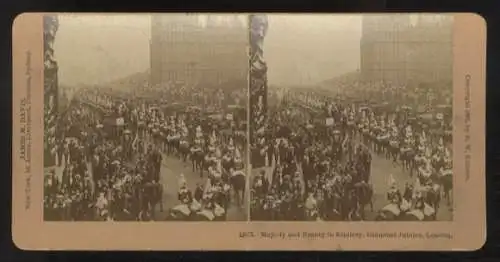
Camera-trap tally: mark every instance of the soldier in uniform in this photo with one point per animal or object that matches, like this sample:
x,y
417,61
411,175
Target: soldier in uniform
x,y
185,196
394,195
198,192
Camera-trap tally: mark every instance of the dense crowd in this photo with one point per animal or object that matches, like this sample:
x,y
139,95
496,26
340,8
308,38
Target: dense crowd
x,y
110,147
321,147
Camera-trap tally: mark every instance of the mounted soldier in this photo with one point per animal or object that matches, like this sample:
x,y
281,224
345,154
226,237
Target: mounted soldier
x,y
425,172
197,154
185,195
393,194
407,149
420,154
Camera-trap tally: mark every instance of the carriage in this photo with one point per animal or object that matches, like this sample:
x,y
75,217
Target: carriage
x,y
181,212
413,215
390,212
204,215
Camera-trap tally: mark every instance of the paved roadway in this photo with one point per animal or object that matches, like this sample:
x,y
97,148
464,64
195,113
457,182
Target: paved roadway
x,y
381,169
170,171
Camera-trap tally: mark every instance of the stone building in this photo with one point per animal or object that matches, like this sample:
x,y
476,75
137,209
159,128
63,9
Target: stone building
x,y
407,49
198,49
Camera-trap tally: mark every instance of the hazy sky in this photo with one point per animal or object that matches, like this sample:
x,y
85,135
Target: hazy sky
x,y
93,49
299,49
305,49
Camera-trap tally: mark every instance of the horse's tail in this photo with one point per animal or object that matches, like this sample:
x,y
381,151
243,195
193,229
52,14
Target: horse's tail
x,y
238,183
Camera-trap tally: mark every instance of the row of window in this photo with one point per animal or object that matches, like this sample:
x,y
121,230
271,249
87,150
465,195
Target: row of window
x,y
187,75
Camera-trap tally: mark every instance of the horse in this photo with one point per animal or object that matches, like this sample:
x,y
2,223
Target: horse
x,y
393,151
207,162
172,143
183,149
364,194
433,197
407,158
153,195
197,160
383,144
446,180
237,181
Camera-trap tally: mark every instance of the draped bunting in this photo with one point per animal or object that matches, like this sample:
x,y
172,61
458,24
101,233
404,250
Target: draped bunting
x,y
258,78
50,26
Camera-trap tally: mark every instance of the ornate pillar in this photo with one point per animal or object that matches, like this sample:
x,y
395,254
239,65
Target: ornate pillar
x,y
50,26
258,86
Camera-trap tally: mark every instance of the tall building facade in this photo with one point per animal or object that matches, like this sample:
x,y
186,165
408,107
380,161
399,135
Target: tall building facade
x,y
407,49
198,49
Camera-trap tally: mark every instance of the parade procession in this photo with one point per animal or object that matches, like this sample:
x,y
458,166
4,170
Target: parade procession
x,y
112,152
208,128
368,144
159,145
321,155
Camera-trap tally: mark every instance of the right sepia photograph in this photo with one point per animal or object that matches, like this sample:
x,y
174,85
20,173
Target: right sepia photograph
x,y
351,117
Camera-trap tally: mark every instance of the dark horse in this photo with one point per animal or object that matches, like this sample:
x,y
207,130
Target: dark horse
x,y
238,183
447,184
183,150
197,160
364,193
152,195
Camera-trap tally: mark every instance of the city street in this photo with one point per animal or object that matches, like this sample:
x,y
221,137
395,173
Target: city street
x,y
381,169
171,169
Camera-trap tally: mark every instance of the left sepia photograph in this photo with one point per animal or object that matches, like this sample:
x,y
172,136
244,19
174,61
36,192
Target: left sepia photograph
x,y
145,117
